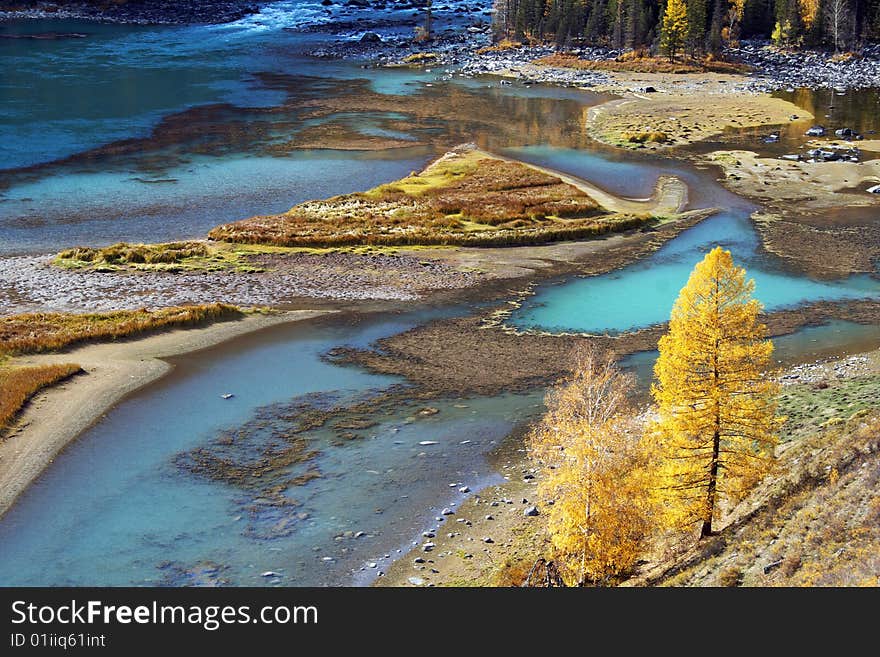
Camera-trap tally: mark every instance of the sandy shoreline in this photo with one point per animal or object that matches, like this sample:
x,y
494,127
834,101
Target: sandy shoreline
x,y
57,416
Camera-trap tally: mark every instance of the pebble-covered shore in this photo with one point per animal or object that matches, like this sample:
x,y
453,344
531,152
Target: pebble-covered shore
x,y
31,283
843,368
773,69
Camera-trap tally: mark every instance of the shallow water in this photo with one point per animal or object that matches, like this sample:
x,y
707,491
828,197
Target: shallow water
x,y
642,294
115,509
149,133
810,343
102,207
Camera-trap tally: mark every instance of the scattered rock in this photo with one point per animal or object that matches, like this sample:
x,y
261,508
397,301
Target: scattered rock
x,y
371,37
848,133
531,511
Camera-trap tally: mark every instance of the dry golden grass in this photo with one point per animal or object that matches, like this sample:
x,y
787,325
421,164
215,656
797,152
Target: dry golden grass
x,y
636,62
467,199
420,58
501,46
128,254
643,137
19,385
164,257
39,332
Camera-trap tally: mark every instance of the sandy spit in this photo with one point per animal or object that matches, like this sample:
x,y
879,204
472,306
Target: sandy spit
x,y
56,416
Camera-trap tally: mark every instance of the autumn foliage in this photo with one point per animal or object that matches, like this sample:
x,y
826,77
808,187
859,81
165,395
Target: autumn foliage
x,y
595,479
717,421
674,28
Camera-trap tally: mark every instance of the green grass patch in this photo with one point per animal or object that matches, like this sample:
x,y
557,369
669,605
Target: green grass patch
x,y
812,406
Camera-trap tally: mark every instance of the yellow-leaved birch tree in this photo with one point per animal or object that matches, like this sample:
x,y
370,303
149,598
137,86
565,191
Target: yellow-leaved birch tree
x,y
594,473
716,401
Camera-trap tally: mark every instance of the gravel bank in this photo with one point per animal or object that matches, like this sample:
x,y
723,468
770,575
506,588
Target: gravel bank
x,y
31,283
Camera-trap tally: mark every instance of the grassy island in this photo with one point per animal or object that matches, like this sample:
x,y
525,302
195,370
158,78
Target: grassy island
x,y
465,198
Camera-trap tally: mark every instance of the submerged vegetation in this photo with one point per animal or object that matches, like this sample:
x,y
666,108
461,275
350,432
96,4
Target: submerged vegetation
x,y
465,198
19,384
40,332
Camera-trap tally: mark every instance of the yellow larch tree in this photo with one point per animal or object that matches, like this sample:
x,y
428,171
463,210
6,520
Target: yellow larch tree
x,y
594,473
674,27
809,10
716,402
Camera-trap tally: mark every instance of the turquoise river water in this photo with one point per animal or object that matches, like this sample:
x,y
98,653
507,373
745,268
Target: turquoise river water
x,y
152,133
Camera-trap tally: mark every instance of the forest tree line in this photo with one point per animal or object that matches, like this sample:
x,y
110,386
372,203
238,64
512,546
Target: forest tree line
x,y
707,25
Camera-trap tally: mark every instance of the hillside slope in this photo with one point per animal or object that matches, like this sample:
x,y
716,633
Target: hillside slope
x,y
814,521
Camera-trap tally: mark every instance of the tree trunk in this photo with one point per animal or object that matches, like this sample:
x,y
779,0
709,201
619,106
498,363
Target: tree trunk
x,y
706,529
713,484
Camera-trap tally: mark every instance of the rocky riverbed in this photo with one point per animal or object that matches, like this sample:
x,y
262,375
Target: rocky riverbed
x,y
773,69
778,69
843,368
31,283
